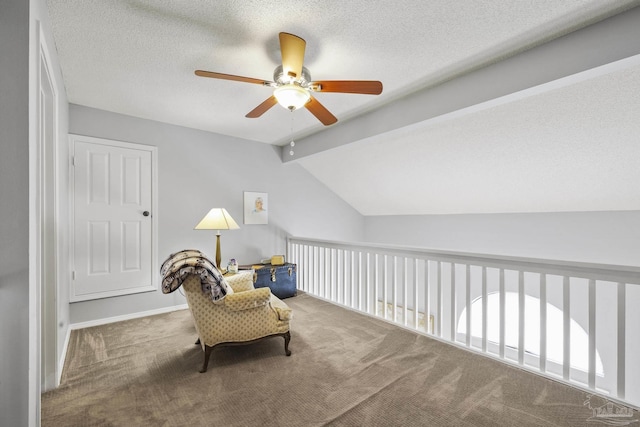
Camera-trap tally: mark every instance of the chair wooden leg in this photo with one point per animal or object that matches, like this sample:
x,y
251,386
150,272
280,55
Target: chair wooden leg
x,y
287,338
207,354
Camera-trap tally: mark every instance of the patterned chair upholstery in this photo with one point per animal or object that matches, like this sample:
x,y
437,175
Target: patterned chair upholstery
x,y
243,316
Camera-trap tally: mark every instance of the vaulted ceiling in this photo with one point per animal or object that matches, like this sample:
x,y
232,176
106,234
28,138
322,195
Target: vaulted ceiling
x,y
571,146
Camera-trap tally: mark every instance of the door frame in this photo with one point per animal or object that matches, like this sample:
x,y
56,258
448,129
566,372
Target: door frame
x,y
73,138
47,218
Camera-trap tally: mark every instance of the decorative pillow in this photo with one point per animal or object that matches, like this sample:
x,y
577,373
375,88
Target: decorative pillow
x,y
240,282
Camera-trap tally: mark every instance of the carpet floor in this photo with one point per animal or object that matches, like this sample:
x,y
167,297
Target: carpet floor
x,y
346,369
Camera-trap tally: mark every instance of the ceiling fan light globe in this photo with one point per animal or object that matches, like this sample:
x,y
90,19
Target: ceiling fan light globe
x,y
291,96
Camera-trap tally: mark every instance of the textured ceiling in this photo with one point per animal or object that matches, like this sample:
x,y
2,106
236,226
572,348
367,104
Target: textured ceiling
x,y
138,57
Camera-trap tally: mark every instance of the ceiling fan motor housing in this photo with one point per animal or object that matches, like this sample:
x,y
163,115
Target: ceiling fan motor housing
x,y
282,79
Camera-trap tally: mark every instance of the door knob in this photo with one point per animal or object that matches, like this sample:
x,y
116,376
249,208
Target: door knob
x,y
145,213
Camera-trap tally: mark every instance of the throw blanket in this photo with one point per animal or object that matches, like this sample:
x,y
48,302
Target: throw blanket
x,y
179,265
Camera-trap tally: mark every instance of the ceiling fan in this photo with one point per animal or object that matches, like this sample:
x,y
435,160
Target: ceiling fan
x,y
293,84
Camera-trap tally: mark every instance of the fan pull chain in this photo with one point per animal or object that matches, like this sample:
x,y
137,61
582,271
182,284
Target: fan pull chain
x,y
292,143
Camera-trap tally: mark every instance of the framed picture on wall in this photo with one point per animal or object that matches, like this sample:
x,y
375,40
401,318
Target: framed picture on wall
x,y
256,208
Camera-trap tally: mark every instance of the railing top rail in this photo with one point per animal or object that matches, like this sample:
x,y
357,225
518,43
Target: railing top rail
x,y
610,272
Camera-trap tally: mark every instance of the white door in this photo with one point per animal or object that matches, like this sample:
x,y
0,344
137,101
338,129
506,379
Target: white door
x,y
113,220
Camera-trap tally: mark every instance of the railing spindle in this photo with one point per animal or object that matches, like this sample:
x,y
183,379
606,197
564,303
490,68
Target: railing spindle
x,y
344,277
386,284
327,273
622,298
335,289
468,304
360,281
502,314
353,289
322,268
427,297
309,269
415,294
439,318
485,303
566,336
592,334
395,288
521,317
453,313
367,279
376,281
405,280
543,323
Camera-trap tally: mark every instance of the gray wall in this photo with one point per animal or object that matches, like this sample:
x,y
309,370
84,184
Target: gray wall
x,y
200,170
22,25
14,213
599,237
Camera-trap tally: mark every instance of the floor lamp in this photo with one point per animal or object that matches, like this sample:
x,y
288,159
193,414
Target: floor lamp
x,y
217,219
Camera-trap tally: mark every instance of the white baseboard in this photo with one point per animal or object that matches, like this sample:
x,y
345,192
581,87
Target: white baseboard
x,y
63,357
114,319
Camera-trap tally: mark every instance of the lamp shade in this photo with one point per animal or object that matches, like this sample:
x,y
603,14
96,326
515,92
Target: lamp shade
x,y
291,96
217,219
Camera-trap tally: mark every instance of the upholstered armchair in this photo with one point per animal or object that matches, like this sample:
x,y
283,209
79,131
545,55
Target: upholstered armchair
x,y
244,316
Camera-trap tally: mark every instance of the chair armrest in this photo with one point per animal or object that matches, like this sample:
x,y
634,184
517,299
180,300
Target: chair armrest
x,y
282,310
248,299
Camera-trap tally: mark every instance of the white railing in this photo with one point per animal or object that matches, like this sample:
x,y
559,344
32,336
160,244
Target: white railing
x,y
575,322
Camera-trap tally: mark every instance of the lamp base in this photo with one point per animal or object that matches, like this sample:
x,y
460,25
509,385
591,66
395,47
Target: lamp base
x,y
218,253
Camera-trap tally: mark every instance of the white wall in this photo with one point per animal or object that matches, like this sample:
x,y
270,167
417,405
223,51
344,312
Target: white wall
x,y
597,237
200,170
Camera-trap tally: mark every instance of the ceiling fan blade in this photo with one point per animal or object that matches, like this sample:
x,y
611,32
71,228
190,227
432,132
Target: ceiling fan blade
x,y
213,75
321,113
262,108
292,48
367,87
